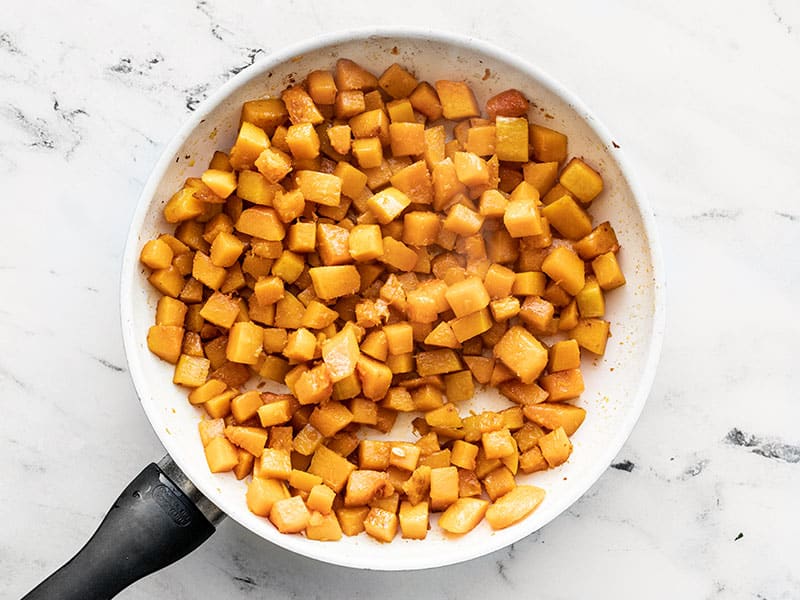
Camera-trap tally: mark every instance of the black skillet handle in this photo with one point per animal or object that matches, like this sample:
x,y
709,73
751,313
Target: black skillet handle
x,y
151,525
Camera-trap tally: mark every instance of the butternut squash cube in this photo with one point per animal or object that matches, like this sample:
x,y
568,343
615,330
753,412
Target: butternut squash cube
x,y
555,447
250,143
407,139
221,455
581,180
334,469
301,106
191,371
521,352
442,335
464,454
566,268
397,81
437,362
207,272
387,204
376,345
608,273
481,367
302,237
381,524
463,515
444,416
349,103
471,169
521,218
368,152
365,243
463,221
401,111
323,527
396,254
334,282
274,164
321,87
467,296
320,498
413,520
245,343
374,454
222,183
266,113
514,506
290,515
274,413
226,249
420,228
321,188
504,309
314,386
251,439
481,140
375,377
569,219
601,240
425,100
457,100
492,204
498,444
261,222
165,341
529,283
542,176
537,313
444,487
591,334
399,337
553,416
207,391
511,139
263,493
341,354
471,325
548,145
156,254
564,355
351,76
563,385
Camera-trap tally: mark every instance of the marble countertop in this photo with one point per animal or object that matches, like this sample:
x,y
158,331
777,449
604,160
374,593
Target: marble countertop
x,y
702,500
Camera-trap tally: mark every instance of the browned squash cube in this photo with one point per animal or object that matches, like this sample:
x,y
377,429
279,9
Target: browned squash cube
x,y
511,139
522,353
368,152
261,222
301,106
608,272
397,81
514,506
321,87
191,371
207,272
601,240
591,334
250,143
458,101
555,447
467,296
334,469
290,515
564,355
563,385
351,76
221,310
581,180
245,343
569,219
266,113
165,341
444,487
381,524
553,415
375,377
548,145
349,103
407,139
335,281
425,100
387,204
566,268
221,455
156,254
437,362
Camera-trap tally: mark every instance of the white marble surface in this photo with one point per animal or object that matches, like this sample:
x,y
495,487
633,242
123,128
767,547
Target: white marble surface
x,y
704,96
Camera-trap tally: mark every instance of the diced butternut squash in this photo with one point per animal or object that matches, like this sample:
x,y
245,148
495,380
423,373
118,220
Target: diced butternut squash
x,y
514,506
522,353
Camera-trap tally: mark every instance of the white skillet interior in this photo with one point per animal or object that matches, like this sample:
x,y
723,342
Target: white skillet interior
x,y
616,385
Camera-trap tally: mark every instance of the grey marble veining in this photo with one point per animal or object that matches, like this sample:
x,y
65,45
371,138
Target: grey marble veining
x,y
702,500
